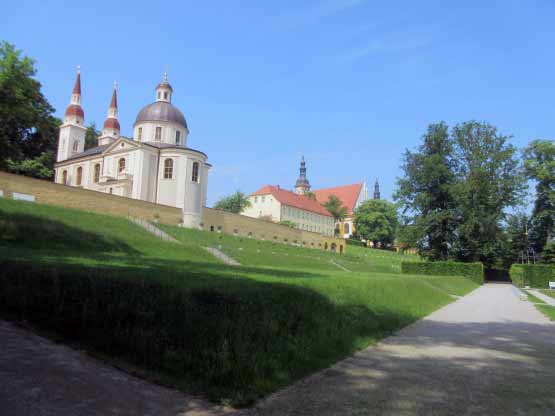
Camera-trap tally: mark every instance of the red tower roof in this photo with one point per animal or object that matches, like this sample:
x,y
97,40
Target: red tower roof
x,y
74,110
112,123
77,86
114,102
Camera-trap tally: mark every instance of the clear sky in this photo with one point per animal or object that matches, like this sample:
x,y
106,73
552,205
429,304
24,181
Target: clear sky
x,y
349,84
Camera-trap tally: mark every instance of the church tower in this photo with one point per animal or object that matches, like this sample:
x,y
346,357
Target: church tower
x,y
72,132
302,186
111,129
376,189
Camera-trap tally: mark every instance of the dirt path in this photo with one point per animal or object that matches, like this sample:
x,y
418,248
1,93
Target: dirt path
x,y
488,353
39,377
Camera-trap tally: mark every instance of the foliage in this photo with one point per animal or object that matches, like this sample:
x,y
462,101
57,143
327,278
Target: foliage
x,y
426,194
236,203
489,180
311,195
474,271
376,221
39,167
91,136
234,334
548,253
514,239
27,126
456,190
335,207
288,223
533,275
539,166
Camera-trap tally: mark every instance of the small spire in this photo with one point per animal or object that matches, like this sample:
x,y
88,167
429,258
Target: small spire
x,y
78,69
166,75
114,102
77,85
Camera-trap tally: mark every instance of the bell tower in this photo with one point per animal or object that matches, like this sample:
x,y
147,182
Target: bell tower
x,y
72,132
111,128
302,186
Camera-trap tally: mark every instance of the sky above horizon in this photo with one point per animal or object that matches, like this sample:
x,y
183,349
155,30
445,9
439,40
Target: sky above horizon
x,y
349,84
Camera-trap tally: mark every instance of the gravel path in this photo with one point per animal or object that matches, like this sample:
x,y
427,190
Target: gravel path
x,y
39,377
489,353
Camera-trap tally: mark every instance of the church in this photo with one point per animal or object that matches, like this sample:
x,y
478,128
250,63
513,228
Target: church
x,y
155,165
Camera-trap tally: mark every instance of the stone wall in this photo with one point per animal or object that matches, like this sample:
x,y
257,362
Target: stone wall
x,y
228,223
48,192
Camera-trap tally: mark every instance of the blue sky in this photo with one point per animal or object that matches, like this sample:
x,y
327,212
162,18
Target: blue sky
x,y
349,84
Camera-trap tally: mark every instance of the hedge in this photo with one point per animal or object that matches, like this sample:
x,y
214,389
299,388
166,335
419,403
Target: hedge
x,y
474,271
533,275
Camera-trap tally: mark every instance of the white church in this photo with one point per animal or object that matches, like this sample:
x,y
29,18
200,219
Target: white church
x,y
155,165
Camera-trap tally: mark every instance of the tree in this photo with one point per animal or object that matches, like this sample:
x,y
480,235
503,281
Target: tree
x,y
38,167
376,221
515,239
27,127
426,194
336,208
91,136
539,166
489,180
236,203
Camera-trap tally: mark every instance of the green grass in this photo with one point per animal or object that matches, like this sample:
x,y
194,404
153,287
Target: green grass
x,y
548,292
532,298
547,310
233,334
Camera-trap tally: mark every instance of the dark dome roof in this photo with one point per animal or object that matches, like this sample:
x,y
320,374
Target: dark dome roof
x,y
161,111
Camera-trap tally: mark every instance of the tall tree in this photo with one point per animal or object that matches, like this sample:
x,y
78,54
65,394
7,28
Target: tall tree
x,y
539,166
426,193
91,136
236,203
27,126
335,207
376,221
489,180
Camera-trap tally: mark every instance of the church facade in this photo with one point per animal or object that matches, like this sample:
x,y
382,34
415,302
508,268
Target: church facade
x,y
155,165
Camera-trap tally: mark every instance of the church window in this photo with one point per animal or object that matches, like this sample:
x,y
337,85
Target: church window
x,y
64,177
79,175
121,165
158,94
158,135
75,146
177,137
194,176
97,172
140,133
346,228
168,169
165,95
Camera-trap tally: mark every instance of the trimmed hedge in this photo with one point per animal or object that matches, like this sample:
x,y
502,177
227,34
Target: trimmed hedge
x,y
474,271
533,275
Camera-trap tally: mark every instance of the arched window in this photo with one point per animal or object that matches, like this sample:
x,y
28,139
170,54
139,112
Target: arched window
x,y
168,169
79,175
346,228
121,165
194,176
64,177
97,173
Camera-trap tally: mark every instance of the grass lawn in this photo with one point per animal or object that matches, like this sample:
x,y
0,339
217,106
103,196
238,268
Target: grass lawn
x,y
532,298
548,292
233,334
547,310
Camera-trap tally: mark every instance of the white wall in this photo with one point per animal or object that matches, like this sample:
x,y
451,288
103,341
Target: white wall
x,y
168,132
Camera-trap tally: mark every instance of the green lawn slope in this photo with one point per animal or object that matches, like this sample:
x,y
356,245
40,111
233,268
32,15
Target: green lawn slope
x,y
233,334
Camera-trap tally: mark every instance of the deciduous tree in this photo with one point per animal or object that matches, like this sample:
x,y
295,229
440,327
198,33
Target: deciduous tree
x,y
376,221
236,203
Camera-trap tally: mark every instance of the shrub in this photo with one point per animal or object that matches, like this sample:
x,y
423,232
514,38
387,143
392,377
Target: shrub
x,y
474,271
354,242
534,275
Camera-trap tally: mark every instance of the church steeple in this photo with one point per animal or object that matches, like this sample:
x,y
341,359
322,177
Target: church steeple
x,y
111,128
74,112
302,186
376,189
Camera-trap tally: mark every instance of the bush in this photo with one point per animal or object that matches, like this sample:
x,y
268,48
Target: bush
x,y
354,242
534,275
474,271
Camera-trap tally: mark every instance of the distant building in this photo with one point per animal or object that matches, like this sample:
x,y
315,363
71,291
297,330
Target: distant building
x,y
376,189
352,197
155,165
276,205
302,186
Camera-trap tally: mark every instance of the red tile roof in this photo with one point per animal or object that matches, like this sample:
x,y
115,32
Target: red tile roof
x,y
348,194
293,200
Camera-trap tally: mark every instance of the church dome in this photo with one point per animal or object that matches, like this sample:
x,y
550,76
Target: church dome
x,y
161,111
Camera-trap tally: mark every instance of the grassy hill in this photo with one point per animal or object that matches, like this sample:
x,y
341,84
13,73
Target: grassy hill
x,y
232,333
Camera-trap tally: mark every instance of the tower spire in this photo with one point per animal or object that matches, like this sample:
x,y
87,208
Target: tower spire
x,y
111,128
376,189
74,112
302,186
